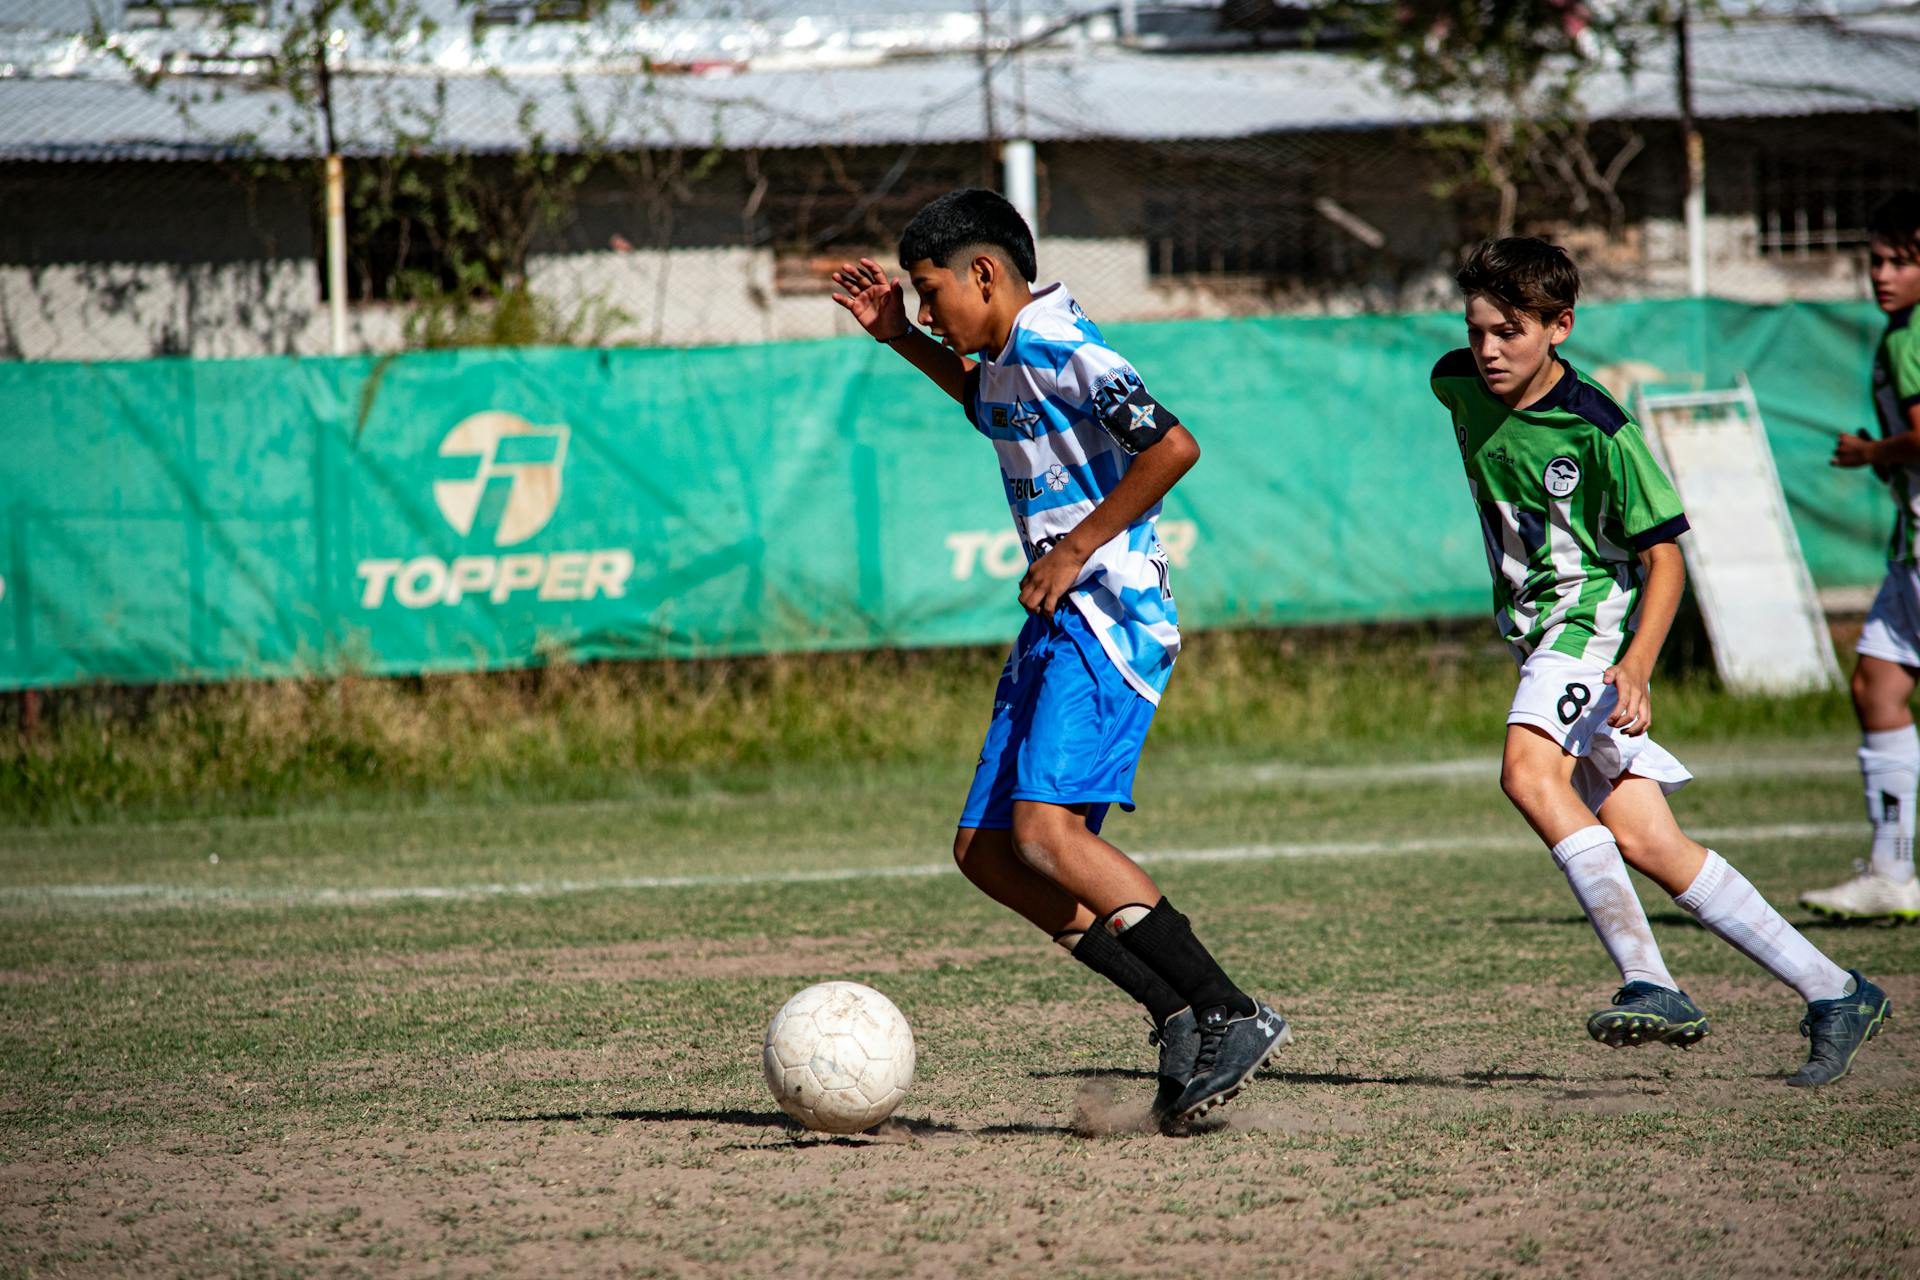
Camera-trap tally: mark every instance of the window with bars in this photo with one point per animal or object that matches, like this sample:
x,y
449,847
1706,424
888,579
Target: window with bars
x,y
1818,203
1228,211
817,209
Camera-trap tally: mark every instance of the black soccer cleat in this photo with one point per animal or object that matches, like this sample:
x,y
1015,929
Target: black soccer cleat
x,y
1644,1013
1232,1047
1179,1044
1838,1029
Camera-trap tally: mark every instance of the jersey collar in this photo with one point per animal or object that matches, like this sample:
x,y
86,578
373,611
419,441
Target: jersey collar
x,y
1558,394
1053,297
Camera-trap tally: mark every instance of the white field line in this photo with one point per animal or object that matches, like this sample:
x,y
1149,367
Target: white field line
x,y
183,895
1487,769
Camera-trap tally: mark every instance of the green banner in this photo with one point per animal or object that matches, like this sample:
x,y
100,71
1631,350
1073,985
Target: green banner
x,y
190,520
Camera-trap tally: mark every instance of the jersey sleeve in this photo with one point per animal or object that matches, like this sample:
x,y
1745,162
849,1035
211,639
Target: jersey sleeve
x,y
1105,386
1903,366
1649,509
1447,372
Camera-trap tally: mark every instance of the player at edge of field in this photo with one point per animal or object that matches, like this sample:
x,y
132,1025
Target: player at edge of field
x,y
1580,527
1883,887
1085,454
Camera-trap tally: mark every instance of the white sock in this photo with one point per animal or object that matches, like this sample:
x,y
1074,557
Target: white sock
x,y
1732,909
1889,769
1599,878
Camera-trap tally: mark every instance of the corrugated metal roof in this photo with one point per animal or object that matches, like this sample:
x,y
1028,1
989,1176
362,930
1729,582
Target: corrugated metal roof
x,y
1754,69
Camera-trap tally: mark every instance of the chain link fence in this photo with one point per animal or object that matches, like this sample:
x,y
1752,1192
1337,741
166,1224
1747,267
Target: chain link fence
x,y
205,248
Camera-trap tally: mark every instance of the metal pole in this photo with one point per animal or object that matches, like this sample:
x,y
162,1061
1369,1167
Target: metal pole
x,y
337,252
1696,200
1018,180
336,187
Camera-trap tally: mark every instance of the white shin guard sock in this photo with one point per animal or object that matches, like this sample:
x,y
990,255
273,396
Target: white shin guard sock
x,y
1598,875
1733,910
1889,770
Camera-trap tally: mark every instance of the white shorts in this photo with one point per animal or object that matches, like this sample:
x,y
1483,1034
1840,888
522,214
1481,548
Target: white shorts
x,y
1569,701
1893,624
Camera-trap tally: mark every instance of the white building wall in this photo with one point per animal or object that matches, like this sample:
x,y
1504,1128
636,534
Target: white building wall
x,y
701,297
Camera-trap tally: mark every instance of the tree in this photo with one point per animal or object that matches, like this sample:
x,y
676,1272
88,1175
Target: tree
x,y
1508,75
440,229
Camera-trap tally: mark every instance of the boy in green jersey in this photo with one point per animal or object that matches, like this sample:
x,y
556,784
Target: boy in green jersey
x,y
1580,526
1884,887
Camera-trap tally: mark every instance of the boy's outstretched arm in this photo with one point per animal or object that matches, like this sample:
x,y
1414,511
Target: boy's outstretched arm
x,y
878,303
1659,601
1155,470
1895,451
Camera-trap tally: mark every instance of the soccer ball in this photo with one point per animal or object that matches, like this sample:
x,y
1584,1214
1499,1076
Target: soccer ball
x,y
838,1057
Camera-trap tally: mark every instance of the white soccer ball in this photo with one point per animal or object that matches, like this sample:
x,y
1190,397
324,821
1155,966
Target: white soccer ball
x,y
838,1057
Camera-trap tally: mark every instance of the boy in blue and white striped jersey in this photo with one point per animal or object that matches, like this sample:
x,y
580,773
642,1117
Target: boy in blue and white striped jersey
x,y
1086,455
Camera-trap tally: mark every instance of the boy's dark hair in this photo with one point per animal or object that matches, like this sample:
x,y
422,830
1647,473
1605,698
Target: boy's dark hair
x,y
1523,273
969,219
1897,221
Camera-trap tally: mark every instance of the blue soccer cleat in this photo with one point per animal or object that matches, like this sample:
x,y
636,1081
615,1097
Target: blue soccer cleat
x,y
1643,1013
1838,1028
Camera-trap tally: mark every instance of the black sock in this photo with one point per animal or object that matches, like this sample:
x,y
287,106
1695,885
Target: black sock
x,y
1099,952
1164,942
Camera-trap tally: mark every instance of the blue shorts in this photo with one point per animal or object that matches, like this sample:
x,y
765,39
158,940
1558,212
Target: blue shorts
x,y
1067,727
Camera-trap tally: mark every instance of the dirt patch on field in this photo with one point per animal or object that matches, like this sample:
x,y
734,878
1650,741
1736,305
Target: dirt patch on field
x,y
1397,1136
1449,1158
730,1191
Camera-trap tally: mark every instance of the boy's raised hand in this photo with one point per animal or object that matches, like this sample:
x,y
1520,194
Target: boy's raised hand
x,y
873,299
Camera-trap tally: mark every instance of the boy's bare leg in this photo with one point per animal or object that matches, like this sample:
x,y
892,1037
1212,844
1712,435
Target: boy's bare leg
x,y
1889,777
1649,836
1882,694
1710,889
1237,1033
986,858
1537,775
1053,841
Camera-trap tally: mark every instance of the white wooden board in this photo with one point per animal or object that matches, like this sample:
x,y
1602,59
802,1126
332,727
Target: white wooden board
x,y
1743,556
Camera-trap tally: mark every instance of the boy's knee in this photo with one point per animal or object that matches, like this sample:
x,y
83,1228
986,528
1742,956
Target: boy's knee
x,y
1634,844
1523,783
962,846
1036,838
1862,685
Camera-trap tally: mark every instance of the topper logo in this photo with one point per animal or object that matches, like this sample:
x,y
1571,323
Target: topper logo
x,y
530,458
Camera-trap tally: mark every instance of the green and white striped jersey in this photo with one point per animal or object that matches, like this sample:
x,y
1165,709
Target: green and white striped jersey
x,y
1567,495
1896,389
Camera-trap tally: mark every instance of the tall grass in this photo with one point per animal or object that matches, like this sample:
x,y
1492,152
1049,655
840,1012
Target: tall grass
x,y
616,729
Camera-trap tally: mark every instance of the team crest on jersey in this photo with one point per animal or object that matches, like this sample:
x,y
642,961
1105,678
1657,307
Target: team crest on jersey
x,y
1024,420
1056,477
1562,476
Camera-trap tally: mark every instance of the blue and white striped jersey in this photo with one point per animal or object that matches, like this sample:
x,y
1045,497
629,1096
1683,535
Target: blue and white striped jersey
x,y
1066,414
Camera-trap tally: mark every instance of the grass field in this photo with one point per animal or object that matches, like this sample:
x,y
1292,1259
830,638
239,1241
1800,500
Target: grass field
x,y
471,1031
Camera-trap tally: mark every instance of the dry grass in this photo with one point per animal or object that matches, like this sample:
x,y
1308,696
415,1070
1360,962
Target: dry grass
x,y
574,732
